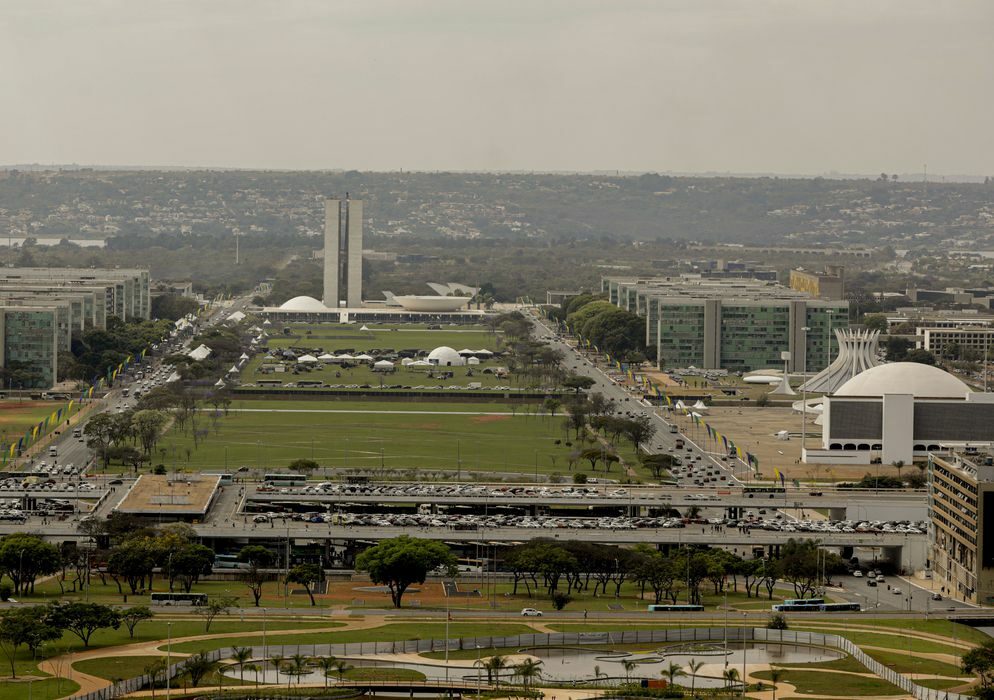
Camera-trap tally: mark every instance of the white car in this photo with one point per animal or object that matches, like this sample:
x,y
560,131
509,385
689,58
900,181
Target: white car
x,y
531,612
857,573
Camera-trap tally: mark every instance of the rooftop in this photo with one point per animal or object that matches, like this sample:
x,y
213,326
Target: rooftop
x,y
922,381
187,495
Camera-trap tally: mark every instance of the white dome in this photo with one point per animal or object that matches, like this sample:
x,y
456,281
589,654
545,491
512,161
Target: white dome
x,y
445,356
303,304
922,381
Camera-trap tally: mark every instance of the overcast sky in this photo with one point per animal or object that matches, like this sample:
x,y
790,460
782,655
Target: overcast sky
x,y
786,86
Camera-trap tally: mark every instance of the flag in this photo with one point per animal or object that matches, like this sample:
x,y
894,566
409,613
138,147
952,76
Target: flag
x,y
724,442
69,407
13,447
89,394
34,432
20,441
777,474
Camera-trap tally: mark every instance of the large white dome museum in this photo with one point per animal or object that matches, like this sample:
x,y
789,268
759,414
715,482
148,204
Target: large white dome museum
x,y
921,381
303,304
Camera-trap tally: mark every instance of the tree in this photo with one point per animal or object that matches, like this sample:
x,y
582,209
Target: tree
x,y
776,675
493,666
220,605
83,619
197,666
694,665
190,563
629,665
404,560
147,426
132,616
99,435
296,668
799,565
980,662
875,322
552,405
730,675
777,622
241,656
133,561
306,575
658,464
28,627
639,430
303,466
560,600
592,455
528,671
921,356
674,671
23,558
578,382
327,666
257,557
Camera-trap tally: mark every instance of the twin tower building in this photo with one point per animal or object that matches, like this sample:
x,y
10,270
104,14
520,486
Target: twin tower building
x,y
342,253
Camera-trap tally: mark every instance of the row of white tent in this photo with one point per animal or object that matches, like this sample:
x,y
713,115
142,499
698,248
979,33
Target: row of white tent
x,y
699,406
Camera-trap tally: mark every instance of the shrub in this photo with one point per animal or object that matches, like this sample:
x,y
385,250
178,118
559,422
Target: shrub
x,y
777,622
579,478
6,590
560,600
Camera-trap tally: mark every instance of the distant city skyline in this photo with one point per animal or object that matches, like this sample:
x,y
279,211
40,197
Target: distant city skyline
x,y
681,86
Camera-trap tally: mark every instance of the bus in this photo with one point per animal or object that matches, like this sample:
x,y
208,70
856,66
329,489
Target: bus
x,y
229,561
223,477
814,605
195,599
751,491
285,479
675,608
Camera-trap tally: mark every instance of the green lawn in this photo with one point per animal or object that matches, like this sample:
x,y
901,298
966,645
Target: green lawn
x,y
116,667
953,630
834,684
446,436
18,416
386,633
383,673
903,663
338,338
896,641
942,683
45,689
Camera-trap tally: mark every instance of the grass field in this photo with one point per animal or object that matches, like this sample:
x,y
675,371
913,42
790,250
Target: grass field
x,y
17,416
44,689
116,668
338,338
391,435
834,684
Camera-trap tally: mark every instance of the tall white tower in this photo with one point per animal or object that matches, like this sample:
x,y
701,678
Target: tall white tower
x,y
342,252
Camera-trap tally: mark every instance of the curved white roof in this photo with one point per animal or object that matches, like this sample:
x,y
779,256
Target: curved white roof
x,y
922,381
445,355
303,304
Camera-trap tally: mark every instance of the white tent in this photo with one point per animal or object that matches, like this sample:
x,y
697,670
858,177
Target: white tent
x,y
326,358
201,352
364,358
420,363
472,360
267,322
383,364
244,357
680,405
700,406
467,351
482,352
364,327
219,383
345,358
406,361
307,359
233,370
236,317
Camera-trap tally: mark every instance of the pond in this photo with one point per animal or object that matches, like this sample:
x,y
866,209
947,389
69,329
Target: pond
x,y
567,664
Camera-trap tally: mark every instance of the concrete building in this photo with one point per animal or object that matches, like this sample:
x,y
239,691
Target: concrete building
x,y
830,284
979,339
343,253
978,296
739,325
131,297
960,499
29,338
900,412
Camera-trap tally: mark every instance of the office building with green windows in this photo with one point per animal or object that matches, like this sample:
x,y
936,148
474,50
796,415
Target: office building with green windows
x,y
739,325
29,337
128,293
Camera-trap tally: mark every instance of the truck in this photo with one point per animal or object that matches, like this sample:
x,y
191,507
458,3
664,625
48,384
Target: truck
x,y
679,443
674,429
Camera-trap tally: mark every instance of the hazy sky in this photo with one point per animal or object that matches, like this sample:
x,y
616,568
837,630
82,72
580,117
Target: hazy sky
x,y
792,86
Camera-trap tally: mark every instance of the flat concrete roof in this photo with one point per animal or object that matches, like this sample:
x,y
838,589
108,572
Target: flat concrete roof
x,y
188,495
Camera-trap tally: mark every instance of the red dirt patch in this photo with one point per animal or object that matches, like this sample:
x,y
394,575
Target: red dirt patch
x,y
427,426
488,419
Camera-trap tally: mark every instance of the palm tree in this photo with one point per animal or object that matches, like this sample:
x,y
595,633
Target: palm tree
x,y
528,670
494,667
341,668
240,656
731,675
256,668
597,673
327,666
673,671
694,665
629,667
277,661
297,667
775,675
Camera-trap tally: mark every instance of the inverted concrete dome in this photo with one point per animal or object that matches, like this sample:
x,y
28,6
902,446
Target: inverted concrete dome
x,y
922,381
303,304
412,302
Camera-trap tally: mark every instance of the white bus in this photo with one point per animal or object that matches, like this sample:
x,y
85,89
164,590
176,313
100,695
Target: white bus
x,y
195,599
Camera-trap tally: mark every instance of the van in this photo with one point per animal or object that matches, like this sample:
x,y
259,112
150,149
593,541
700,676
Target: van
x,y
673,429
77,432
53,451
679,444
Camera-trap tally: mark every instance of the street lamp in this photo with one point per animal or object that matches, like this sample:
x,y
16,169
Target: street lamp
x,y
169,653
